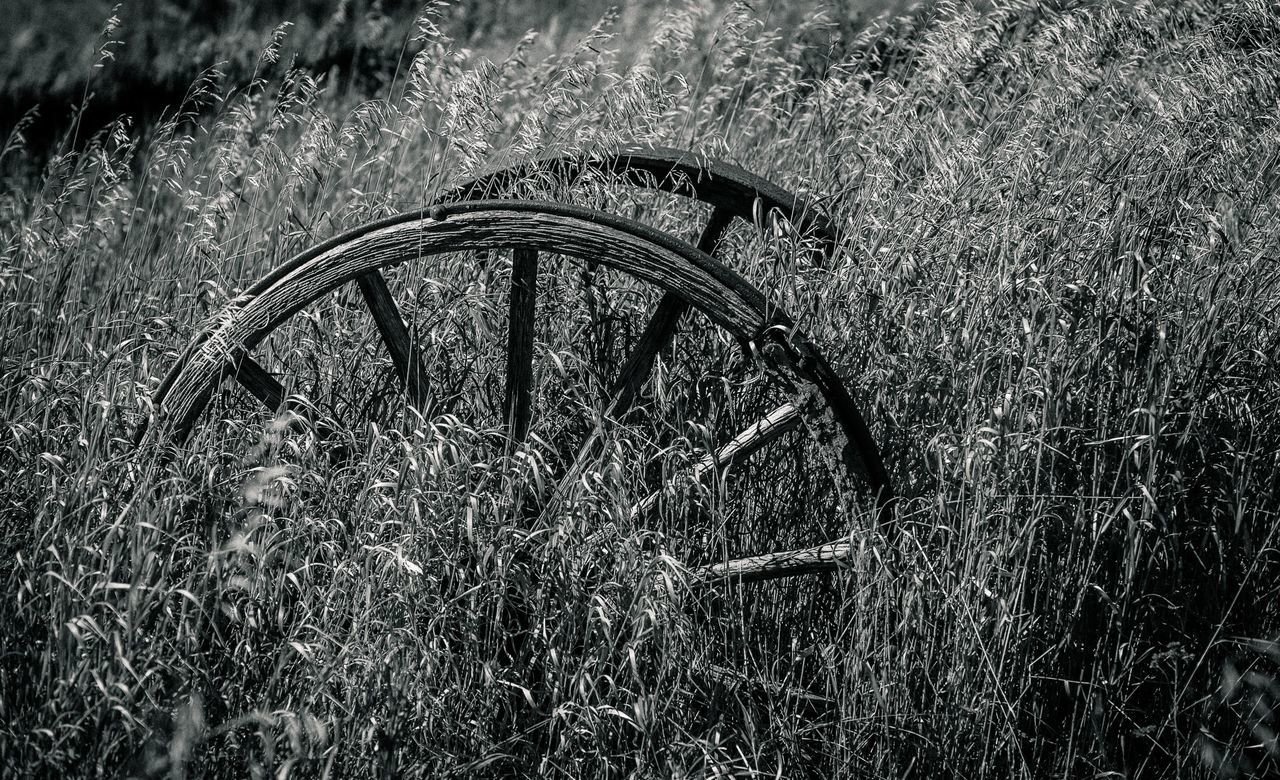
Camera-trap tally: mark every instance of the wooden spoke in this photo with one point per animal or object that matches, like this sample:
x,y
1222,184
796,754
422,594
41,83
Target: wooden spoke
x,y
657,334
784,419
713,231
386,315
253,377
824,557
661,327
259,382
517,405
767,429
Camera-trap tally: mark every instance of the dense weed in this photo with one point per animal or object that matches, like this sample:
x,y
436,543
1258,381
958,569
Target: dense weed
x,y
1055,299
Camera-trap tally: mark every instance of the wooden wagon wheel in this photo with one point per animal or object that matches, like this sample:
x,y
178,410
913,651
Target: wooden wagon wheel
x,y
688,277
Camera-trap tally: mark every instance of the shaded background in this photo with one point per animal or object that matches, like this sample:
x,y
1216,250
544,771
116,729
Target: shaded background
x,y
53,52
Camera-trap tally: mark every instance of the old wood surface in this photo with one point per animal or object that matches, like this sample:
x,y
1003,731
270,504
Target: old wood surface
x,y
259,382
518,402
391,326
824,557
754,437
661,327
724,185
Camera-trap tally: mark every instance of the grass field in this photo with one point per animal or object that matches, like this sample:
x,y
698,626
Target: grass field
x,y
1055,299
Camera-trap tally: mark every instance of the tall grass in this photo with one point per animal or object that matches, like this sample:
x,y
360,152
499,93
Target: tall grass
x,y
1055,299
